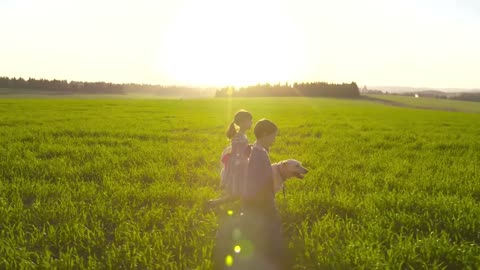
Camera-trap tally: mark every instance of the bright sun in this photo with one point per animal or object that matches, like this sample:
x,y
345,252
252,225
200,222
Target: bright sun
x,y
218,42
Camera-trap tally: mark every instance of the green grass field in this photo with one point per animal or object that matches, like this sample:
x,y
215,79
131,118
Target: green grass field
x,y
120,184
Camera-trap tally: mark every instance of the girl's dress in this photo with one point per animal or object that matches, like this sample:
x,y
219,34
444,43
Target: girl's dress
x,y
233,180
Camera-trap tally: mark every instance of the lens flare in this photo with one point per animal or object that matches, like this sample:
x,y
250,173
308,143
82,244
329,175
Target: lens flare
x,y
229,260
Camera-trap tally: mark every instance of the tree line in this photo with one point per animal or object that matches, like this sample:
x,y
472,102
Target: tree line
x,y
77,87
61,86
468,97
260,90
314,89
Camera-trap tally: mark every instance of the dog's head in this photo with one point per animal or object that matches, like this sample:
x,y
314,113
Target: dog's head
x,y
293,168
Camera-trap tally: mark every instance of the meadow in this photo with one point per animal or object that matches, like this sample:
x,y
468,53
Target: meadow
x,y
120,183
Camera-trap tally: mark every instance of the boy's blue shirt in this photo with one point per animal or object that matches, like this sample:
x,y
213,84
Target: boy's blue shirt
x,y
259,180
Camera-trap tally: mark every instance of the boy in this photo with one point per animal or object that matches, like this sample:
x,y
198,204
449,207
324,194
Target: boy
x,y
262,224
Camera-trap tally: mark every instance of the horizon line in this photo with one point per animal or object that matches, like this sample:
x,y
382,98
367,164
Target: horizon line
x,y
204,86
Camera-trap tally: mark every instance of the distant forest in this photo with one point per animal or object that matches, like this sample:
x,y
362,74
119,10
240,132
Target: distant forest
x,y
62,87
314,89
468,97
75,87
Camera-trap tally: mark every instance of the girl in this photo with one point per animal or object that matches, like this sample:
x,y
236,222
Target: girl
x,y
236,161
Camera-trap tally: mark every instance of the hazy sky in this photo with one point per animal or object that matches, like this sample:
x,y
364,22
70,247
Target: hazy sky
x,y
418,43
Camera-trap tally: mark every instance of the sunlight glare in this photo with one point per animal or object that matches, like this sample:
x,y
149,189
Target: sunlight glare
x,y
231,43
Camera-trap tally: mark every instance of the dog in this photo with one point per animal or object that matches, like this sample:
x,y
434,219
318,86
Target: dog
x,y
286,169
281,171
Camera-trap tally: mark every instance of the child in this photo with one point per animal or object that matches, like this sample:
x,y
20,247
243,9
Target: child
x,y
262,221
236,162
258,190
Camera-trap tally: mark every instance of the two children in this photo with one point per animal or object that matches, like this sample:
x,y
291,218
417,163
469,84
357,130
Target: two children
x,y
250,179
247,171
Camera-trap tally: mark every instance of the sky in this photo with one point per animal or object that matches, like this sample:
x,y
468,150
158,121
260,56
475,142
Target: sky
x,y
416,43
